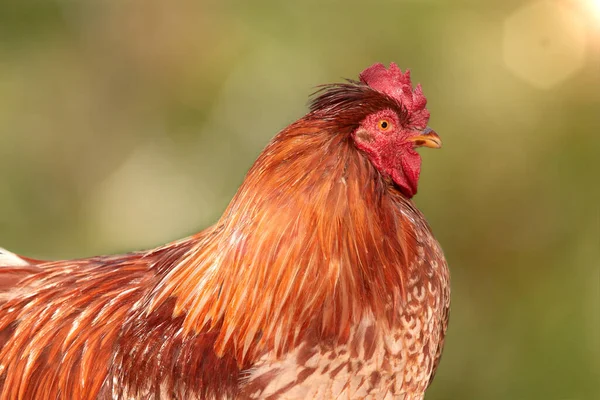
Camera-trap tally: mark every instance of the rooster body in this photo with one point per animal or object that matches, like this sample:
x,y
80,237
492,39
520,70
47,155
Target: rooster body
x,y
320,281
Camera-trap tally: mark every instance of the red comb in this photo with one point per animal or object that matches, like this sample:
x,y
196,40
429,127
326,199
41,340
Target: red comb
x,y
397,85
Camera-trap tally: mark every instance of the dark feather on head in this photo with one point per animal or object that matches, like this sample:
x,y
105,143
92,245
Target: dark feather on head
x,y
378,89
349,103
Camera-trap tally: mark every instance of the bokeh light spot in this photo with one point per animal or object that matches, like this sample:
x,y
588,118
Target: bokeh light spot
x,y
544,43
594,7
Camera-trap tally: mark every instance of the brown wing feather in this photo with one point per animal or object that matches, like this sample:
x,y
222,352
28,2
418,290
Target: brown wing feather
x,y
79,327
160,360
58,326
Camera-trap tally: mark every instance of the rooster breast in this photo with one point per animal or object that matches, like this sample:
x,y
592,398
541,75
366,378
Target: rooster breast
x,y
380,360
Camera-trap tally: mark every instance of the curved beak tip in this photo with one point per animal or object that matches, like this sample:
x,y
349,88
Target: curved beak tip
x,y
427,138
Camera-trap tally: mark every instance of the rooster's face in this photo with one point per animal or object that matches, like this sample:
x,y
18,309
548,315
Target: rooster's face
x,y
390,142
386,118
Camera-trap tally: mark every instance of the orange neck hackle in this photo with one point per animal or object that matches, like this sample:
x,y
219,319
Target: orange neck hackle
x,y
296,242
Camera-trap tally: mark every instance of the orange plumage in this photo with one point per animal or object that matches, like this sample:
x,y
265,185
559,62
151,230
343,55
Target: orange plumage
x,y
320,280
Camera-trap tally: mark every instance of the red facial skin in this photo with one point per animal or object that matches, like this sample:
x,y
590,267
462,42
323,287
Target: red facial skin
x,y
385,141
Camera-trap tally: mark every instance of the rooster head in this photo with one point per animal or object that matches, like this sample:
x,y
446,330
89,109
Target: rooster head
x,y
385,117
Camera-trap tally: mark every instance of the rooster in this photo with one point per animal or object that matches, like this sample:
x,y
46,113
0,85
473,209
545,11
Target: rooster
x,y
321,280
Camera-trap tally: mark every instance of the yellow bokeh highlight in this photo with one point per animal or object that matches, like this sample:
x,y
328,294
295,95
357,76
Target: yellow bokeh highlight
x,y
544,43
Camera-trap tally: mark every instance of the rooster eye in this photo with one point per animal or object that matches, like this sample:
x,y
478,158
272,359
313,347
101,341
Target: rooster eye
x,y
383,125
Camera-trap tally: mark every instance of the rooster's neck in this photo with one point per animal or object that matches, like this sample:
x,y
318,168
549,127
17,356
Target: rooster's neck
x,y
314,238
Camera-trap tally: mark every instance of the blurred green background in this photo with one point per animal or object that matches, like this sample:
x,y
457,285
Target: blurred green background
x,y
127,124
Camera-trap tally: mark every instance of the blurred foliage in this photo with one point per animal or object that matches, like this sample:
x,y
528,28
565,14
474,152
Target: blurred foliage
x,y
127,124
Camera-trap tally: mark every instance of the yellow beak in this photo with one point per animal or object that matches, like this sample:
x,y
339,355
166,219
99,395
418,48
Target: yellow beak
x,y
427,138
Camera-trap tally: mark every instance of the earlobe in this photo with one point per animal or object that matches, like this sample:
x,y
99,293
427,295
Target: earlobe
x,y
363,136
